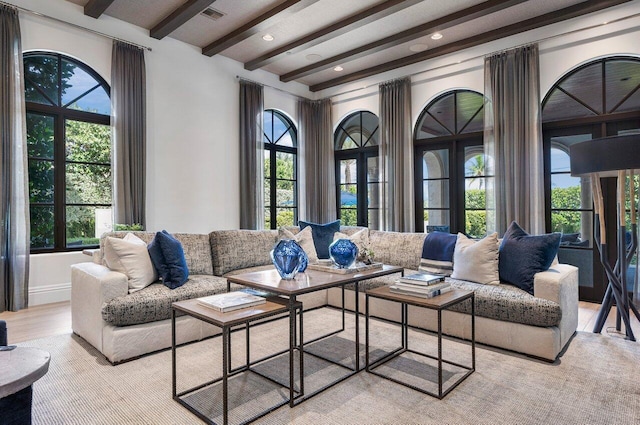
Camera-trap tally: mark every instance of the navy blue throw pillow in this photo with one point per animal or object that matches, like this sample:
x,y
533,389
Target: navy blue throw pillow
x,y
168,258
523,255
322,235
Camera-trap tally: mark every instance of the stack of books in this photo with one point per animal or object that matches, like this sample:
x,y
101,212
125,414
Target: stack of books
x,y
231,301
422,285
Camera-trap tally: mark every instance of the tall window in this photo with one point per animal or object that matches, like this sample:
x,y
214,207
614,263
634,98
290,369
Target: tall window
x,y
600,98
69,152
280,170
450,165
357,169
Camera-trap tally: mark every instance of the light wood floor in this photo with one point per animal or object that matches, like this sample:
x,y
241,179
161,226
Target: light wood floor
x,y
54,319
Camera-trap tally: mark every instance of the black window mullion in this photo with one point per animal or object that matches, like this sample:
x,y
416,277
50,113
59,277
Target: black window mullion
x,y
273,188
59,178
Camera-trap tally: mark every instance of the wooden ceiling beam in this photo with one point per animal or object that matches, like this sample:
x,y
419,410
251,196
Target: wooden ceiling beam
x,y
439,24
95,8
179,17
506,31
343,26
286,8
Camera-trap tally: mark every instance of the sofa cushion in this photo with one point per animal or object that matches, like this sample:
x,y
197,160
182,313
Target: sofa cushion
x,y
396,248
476,261
153,303
169,260
240,249
197,250
437,253
508,303
322,235
523,255
304,239
128,255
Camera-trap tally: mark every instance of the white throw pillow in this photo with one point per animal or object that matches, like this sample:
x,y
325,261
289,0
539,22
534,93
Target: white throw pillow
x,y
129,256
304,238
476,261
359,238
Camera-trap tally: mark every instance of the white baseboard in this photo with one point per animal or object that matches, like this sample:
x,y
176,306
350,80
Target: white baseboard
x,y
48,294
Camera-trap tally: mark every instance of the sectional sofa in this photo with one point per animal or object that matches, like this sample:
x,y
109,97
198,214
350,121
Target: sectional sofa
x,y
123,325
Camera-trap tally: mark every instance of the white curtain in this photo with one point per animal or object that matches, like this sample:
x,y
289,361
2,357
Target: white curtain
x,y
315,139
396,157
14,186
251,155
513,141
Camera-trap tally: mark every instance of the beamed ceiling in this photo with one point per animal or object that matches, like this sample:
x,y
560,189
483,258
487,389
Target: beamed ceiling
x,y
312,37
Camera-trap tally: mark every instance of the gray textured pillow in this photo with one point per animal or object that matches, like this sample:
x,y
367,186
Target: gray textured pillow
x,y
476,261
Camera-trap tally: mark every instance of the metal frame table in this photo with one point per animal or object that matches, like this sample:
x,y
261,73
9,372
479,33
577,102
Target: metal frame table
x,y
226,321
303,283
438,303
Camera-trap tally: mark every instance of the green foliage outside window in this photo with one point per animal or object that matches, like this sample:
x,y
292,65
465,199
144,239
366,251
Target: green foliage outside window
x,y
565,198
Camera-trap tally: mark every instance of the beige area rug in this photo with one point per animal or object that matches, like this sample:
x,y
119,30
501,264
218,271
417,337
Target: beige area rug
x,y
596,381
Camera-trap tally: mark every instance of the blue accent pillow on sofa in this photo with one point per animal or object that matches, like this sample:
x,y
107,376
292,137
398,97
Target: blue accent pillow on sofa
x,y
322,235
437,253
168,258
523,255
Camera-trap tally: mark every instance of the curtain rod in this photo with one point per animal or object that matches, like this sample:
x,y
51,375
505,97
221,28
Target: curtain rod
x,y
272,87
624,18
42,15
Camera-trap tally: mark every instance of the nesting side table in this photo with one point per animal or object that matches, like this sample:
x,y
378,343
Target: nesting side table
x,y
438,303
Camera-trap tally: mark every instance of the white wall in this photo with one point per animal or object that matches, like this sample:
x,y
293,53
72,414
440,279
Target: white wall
x,y
192,127
192,119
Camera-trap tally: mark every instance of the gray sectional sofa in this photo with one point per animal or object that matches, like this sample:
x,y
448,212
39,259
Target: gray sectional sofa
x,y
124,325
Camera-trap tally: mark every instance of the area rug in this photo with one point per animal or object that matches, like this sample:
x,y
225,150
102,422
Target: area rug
x,y
596,381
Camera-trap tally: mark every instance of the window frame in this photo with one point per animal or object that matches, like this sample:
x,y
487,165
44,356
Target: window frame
x,y
273,148
361,155
61,115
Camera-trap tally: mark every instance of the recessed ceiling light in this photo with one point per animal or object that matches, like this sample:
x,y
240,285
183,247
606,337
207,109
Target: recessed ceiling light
x,y
338,68
267,37
420,47
313,57
436,36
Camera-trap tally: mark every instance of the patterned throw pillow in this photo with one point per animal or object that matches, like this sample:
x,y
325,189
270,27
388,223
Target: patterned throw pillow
x,y
437,253
476,261
129,256
304,239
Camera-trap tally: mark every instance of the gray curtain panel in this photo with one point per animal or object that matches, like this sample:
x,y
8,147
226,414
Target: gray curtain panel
x,y
251,148
14,186
396,157
129,123
513,140
315,138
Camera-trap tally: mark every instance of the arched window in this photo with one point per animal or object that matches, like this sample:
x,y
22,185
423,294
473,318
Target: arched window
x,y
280,170
356,143
597,99
69,152
450,164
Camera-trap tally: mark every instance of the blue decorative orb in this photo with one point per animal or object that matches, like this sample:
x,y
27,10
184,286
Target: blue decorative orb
x,y
343,252
286,258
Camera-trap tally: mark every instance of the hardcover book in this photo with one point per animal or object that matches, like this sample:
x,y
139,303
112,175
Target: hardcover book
x,y
429,294
424,279
231,301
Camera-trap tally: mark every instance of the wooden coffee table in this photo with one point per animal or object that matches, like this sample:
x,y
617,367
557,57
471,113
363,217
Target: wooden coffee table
x,y
303,283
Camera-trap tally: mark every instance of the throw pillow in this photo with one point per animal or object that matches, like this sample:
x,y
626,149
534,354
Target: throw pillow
x,y
322,235
437,253
169,260
304,239
523,255
360,238
129,256
476,261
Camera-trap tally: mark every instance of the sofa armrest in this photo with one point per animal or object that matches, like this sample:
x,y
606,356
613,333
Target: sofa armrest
x,y
560,284
92,285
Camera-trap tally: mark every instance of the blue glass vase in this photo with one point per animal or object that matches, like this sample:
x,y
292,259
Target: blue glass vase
x,y
303,261
343,252
286,258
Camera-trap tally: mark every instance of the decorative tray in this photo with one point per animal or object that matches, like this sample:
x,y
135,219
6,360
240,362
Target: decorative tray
x,y
355,268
